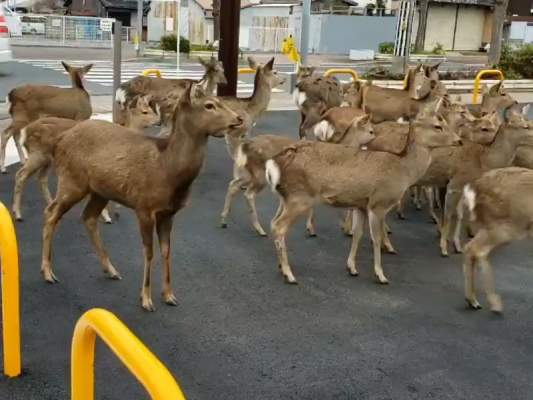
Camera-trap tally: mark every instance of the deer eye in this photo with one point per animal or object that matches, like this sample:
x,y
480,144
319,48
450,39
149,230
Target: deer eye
x,y
438,127
209,106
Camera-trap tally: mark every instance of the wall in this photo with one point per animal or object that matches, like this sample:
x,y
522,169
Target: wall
x,y
200,27
263,27
340,33
157,21
520,31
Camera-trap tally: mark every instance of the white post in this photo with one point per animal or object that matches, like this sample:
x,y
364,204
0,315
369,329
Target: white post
x,y
178,15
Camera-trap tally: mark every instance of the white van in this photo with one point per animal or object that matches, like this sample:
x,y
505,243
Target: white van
x,y
5,49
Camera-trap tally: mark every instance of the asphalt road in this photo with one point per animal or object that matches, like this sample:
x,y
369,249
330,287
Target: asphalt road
x,y
239,332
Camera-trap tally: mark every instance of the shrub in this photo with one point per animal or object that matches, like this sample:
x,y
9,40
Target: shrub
x,y
438,49
169,43
386,47
517,63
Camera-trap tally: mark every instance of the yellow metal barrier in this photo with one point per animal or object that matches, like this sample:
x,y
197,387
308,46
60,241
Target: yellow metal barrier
x,y
9,263
480,75
155,72
345,71
246,70
141,362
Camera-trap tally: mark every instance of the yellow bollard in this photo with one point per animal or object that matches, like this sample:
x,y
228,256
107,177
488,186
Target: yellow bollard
x,y
9,263
140,361
477,81
246,70
345,71
155,72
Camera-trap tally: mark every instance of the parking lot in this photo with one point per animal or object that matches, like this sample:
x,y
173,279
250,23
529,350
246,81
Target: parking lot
x,y
239,332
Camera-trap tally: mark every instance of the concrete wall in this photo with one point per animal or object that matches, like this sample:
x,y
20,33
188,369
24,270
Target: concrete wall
x,y
157,25
268,23
521,31
340,33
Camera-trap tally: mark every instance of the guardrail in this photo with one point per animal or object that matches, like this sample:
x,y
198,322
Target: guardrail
x,y
155,72
344,71
9,263
477,81
140,361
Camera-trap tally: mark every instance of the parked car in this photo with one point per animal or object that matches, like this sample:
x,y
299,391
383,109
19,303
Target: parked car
x,y
12,20
33,25
5,49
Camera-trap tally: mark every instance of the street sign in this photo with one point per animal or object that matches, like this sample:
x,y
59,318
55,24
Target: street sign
x,y
106,24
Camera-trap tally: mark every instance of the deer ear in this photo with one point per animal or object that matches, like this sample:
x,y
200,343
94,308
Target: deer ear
x,y
270,65
252,63
66,66
484,90
203,62
86,69
459,99
435,67
496,88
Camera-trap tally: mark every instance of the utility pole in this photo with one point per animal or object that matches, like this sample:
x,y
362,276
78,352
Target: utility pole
x,y
216,20
140,12
117,64
304,37
422,23
178,36
229,45
498,20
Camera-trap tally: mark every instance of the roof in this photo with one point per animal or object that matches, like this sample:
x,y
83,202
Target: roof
x,y
124,4
208,4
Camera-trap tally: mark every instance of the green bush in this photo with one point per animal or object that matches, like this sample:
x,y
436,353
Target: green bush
x,y
169,43
517,63
386,47
203,47
438,49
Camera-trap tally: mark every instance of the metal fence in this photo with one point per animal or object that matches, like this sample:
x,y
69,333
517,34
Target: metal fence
x,y
68,31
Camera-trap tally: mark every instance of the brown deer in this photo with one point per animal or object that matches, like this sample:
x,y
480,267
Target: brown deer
x,y
500,206
249,168
310,172
40,137
31,102
150,175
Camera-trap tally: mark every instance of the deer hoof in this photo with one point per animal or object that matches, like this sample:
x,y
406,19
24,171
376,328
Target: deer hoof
x,y
148,305
289,280
311,234
473,304
171,300
223,224
49,277
116,276
382,280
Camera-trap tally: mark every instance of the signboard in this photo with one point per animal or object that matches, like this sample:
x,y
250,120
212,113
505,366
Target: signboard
x,y
106,24
487,3
169,24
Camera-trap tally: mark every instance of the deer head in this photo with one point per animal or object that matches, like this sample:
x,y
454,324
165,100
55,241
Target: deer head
x,y
495,98
266,73
418,84
142,112
214,70
304,72
482,130
77,73
431,129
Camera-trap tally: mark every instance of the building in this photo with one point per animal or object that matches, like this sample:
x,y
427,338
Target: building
x,y
457,24
520,21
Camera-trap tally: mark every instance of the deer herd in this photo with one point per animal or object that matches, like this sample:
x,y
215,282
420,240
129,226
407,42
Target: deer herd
x,y
362,148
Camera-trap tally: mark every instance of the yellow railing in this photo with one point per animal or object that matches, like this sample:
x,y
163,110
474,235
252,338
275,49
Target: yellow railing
x,y
344,71
9,264
141,362
246,70
155,72
477,81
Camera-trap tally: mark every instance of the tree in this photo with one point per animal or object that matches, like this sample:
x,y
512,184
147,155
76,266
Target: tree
x,y
498,20
422,22
216,19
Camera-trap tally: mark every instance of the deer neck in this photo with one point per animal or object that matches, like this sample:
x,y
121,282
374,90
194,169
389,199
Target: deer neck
x,y
185,152
502,151
416,159
208,84
260,99
77,82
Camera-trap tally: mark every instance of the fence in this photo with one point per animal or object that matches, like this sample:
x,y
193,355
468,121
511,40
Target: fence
x,y
264,38
68,31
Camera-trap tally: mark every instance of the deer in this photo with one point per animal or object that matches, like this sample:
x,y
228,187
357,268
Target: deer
x,y
494,98
152,176
40,138
30,102
307,173
472,161
249,168
168,91
499,205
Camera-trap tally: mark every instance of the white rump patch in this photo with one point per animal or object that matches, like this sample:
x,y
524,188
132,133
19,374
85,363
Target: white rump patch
x,y
470,199
241,158
272,174
323,131
120,96
299,97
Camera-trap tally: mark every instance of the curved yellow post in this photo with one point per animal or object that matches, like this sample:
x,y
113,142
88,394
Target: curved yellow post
x,y
155,72
338,71
141,362
477,81
246,70
9,263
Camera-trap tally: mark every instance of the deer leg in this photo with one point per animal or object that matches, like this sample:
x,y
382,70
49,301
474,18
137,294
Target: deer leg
x,y
430,196
43,182
233,188
469,266
146,225
249,194
280,227
310,224
164,231
450,205
90,215
303,134
106,216
67,196
20,150
347,223
417,198
386,240
375,221
458,226
401,205
358,222
35,163
4,138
